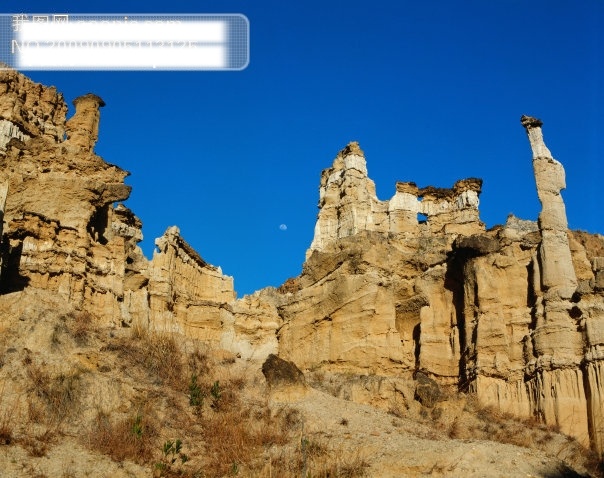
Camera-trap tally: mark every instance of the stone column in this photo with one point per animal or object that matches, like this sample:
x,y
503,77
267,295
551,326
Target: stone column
x,y
557,273
556,387
83,127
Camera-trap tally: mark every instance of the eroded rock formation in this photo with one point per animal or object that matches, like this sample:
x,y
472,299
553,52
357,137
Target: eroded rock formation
x,y
391,290
63,233
531,307
349,205
512,314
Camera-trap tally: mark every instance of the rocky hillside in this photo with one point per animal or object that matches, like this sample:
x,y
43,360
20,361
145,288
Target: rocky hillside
x,y
407,310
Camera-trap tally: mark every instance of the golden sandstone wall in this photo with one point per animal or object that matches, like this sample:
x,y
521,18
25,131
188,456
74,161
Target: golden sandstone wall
x,y
514,314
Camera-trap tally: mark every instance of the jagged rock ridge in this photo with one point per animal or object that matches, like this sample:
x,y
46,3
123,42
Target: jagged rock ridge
x,y
514,314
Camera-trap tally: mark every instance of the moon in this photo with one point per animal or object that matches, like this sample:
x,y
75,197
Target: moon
x,y
283,227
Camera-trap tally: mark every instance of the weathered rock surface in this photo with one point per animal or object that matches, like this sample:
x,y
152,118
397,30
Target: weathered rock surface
x,y
512,314
412,286
348,205
62,232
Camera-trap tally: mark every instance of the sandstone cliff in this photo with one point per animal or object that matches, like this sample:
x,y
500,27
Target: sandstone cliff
x,y
513,314
389,290
64,233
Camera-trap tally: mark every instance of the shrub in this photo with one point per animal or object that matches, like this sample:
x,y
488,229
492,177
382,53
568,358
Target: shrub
x,y
215,391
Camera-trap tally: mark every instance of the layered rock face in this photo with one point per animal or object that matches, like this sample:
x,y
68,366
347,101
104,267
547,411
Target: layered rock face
x,y
62,232
391,290
513,314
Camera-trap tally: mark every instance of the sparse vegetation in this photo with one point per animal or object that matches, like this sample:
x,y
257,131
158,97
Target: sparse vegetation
x,y
59,393
7,419
82,326
157,354
489,423
163,359
314,457
235,435
37,444
216,393
196,395
173,388
171,453
130,438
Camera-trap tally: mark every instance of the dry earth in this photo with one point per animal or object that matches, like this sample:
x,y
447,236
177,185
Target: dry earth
x,y
78,399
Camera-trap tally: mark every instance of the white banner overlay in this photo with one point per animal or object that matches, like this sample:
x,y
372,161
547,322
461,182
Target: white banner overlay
x,y
131,42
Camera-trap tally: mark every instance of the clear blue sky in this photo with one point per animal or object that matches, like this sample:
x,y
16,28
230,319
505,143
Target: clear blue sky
x,y
432,90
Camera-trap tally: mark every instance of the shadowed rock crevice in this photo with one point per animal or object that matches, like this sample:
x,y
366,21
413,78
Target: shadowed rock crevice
x,y
12,281
98,224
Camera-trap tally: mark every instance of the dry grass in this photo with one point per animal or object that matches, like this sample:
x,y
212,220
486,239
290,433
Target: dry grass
x,y
131,438
199,362
60,394
8,418
157,354
316,457
227,432
489,423
162,358
229,443
236,444
503,427
244,438
232,431
236,434
81,327
37,444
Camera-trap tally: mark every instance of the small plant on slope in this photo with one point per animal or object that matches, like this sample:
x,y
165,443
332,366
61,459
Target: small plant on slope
x,y
196,395
172,452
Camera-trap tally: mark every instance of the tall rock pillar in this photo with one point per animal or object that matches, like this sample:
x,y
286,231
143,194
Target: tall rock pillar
x,y
556,387
557,272
83,127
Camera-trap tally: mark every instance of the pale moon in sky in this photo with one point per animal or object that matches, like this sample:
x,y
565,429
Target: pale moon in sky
x,y
283,227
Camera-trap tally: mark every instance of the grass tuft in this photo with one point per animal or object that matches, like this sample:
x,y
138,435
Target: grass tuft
x,y
7,419
60,394
81,327
131,438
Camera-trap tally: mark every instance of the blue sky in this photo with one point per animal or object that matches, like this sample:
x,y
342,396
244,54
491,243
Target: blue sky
x,y
433,91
